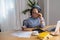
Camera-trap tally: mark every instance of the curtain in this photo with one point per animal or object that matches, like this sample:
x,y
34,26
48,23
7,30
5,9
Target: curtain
x,y
11,16
7,15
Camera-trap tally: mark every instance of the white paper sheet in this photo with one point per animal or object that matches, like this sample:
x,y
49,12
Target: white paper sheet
x,y
22,34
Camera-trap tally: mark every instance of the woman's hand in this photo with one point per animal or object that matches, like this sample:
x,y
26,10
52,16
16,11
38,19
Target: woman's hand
x,y
24,27
40,15
41,18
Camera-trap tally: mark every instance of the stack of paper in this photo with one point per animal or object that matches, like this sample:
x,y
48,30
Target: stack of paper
x,y
22,34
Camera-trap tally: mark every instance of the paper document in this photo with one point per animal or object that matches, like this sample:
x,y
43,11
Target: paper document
x,y
22,34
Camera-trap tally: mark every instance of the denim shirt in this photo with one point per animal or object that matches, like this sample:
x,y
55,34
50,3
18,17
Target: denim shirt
x,y
33,22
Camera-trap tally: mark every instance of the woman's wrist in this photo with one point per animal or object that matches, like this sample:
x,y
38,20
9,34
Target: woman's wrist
x,y
41,20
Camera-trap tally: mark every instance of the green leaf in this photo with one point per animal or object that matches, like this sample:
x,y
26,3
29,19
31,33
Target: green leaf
x,y
30,2
26,11
35,3
29,5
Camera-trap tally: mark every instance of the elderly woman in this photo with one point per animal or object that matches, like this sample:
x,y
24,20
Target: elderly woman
x,y
36,19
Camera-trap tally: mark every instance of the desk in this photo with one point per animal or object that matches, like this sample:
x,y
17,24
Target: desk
x,y
8,36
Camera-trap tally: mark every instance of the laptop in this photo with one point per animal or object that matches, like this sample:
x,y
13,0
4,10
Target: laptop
x,y
54,28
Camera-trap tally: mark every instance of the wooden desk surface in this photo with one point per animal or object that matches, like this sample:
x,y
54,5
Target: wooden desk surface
x,y
8,36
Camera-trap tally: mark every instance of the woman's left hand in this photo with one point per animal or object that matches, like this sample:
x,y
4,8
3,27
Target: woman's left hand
x,y
40,15
41,18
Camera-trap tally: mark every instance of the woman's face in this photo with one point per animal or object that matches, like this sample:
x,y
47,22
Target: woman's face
x,y
35,13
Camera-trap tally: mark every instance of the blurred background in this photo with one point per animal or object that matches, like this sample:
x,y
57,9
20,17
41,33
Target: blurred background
x,y
11,16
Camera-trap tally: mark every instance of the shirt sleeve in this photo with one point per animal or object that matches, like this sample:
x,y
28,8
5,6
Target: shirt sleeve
x,y
43,23
25,23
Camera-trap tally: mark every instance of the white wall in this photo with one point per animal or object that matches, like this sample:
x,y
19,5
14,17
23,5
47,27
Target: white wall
x,y
46,11
51,11
41,3
54,11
